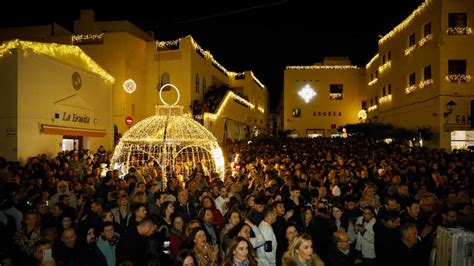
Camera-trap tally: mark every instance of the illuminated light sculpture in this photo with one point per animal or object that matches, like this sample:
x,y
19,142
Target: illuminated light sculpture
x,y
172,140
307,93
362,114
129,86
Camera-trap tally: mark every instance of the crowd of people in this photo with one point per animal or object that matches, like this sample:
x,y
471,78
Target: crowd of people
x,y
320,201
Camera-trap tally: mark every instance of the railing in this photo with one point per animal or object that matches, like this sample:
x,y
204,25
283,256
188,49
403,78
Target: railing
x,y
459,31
458,78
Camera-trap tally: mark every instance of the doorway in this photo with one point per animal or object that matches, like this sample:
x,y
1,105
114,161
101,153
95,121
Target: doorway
x,y
70,143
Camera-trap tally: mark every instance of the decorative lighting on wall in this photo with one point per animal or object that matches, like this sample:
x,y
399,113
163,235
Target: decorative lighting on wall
x,y
207,55
321,67
410,50
385,99
372,61
87,38
130,86
229,96
372,108
459,31
362,114
458,78
410,89
372,82
261,110
385,66
307,93
425,83
405,22
425,40
59,51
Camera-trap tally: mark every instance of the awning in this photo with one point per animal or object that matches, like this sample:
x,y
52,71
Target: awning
x,y
72,131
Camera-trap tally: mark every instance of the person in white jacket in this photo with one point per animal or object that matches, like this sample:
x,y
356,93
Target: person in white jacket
x,y
365,235
267,252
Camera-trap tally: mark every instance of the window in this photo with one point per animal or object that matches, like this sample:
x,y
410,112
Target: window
x,y
335,91
376,99
389,89
296,112
427,29
371,77
427,73
383,91
457,23
204,85
389,55
371,102
457,67
383,59
412,40
198,80
412,79
164,79
364,105
376,74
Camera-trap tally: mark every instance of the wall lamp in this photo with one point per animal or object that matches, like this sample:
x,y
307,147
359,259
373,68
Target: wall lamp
x,y
450,106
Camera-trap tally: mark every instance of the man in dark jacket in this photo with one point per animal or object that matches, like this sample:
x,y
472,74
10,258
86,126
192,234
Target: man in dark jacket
x,y
340,253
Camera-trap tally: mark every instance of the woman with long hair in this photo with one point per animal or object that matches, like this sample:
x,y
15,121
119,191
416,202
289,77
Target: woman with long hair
x,y
340,222
300,252
185,258
206,254
240,253
176,236
29,233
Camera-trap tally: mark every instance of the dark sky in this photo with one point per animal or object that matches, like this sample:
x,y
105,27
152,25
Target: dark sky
x,y
262,36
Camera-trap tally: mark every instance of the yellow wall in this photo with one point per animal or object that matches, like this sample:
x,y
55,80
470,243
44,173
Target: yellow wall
x,y
321,112
424,107
8,106
44,88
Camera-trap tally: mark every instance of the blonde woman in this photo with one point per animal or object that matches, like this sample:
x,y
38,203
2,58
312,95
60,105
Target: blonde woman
x,y
300,252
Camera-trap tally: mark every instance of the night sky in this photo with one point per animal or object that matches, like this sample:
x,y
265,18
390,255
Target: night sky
x,y
262,36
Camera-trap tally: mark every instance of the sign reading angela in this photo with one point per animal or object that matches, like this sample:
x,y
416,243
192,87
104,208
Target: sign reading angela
x,y
84,118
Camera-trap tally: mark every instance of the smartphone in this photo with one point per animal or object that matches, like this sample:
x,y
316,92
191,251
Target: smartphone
x,y
47,254
268,246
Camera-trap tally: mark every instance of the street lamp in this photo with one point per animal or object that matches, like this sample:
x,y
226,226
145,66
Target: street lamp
x,y
450,106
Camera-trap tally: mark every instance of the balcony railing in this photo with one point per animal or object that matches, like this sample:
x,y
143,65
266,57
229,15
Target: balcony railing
x,y
425,83
410,89
458,78
373,82
82,39
372,108
425,40
385,66
410,50
459,31
385,99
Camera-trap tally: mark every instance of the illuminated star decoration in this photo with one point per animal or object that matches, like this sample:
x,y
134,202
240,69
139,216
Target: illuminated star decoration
x,y
307,93
129,85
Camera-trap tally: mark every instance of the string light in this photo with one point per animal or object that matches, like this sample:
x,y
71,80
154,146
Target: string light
x,y
385,66
425,40
385,99
175,142
87,38
59,51
208,56
321,67
372,108
230,95
372,61
372,82
459,31
425,83
410,50
410,89
458,78
261,110
405,22
129,86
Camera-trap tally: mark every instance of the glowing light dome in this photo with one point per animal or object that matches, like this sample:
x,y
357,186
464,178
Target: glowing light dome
x,y
172,140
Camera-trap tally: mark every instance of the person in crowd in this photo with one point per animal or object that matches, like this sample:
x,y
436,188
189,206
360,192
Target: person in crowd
x,y
88,252
165,219
218,219
122,213
63,189
233,218
177,234
139,212
206,253
66,250
38,254
184,207
132,245
222,200
340,253
386,233
300,252
29,233
267,252
107,242
240,253
365,235
185,257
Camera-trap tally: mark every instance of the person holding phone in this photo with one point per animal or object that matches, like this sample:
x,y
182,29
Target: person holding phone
x,y
267,252
42,253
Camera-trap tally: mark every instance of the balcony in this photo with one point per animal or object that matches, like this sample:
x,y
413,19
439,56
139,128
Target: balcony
x,y
385,99
425,40
372,108
373,81
410,89
458,78
459,31
385,67
425,83
82,39
410,50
